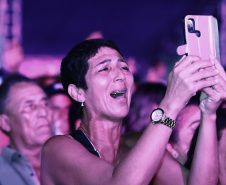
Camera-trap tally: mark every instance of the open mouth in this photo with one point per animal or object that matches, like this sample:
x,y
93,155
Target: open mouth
x,y
116,94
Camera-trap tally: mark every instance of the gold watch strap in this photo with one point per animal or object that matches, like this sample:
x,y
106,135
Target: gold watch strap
x,y
169,122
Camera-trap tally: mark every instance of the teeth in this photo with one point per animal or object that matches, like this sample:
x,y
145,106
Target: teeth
x,y
116,94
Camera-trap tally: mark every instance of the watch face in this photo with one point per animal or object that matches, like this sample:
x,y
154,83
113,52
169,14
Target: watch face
x,y
157,115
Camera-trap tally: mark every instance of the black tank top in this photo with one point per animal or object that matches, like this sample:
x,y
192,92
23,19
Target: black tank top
x,y
84,140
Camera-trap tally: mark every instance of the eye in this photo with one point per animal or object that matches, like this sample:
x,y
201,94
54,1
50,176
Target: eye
x,y
104,69
125,68
29,107
45,103
55,108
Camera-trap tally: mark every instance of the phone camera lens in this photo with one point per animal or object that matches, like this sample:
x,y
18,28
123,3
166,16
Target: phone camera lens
x,y
191,25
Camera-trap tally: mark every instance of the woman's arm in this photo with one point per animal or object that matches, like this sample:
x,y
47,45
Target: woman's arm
x,y
204,169
64,159
205,165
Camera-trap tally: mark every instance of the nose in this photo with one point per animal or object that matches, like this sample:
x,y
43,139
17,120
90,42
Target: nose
x,y
43,111
119,75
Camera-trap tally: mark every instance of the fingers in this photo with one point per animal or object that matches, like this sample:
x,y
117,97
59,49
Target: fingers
x,y
193,69
204,74
218,91
192,64
219,67
209,82
189,75
186,61
220,87
177,63
210,92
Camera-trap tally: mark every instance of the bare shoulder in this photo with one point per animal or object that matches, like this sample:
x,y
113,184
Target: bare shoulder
x,y
66,161
56,141
62,147
61,155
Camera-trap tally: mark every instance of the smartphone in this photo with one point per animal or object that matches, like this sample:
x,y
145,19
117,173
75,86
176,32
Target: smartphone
x,y
201,37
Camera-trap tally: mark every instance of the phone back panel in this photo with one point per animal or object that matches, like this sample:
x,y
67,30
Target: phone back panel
x,y
204,40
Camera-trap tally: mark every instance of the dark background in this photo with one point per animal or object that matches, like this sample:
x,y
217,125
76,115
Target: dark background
x,y
147,30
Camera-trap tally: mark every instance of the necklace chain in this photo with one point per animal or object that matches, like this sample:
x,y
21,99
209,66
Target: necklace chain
x,y
90,142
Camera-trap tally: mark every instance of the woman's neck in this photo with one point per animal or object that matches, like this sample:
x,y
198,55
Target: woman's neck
x,y
105,136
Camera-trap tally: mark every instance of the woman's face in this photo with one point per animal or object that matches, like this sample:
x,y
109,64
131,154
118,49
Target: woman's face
x,y
109,83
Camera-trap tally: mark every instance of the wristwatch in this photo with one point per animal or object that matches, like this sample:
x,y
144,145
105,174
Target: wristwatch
x,y
159,116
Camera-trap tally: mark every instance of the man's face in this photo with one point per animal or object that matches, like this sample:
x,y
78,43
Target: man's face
x,y
190,120
29,115
61,105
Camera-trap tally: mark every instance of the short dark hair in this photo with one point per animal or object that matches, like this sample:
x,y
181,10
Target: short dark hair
x,y
74,65
6,85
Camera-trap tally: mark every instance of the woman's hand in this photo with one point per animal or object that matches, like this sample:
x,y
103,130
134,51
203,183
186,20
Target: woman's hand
x,y
216,93
186,79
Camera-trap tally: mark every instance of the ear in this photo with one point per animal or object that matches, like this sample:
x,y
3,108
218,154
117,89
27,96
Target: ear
x,y
4,123
171,150
78,94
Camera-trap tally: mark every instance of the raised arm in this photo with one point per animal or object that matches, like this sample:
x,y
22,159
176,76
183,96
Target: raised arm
x,y
184,81
204,169
205,165
64,158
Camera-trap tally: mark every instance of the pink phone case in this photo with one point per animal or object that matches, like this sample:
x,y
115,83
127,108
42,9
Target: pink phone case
x,y
202,37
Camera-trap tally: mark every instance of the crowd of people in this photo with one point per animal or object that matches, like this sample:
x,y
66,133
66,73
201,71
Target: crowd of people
x,y
97,124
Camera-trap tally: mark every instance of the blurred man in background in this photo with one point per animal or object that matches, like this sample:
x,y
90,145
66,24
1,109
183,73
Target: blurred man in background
x,y
60,104
26,117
